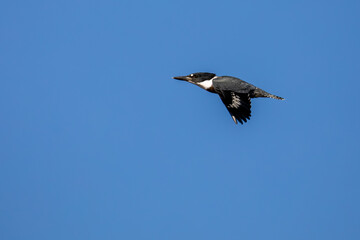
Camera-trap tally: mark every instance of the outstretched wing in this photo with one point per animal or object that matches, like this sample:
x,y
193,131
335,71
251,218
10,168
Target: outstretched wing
x,y
238,105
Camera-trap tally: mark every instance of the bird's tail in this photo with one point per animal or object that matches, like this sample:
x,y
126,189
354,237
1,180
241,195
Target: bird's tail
x,y
261,93
274,96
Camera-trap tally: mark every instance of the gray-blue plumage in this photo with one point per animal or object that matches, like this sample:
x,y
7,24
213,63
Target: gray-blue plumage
x,y
234,92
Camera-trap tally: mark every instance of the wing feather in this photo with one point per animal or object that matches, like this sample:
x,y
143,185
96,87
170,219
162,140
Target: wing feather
x,y
238,105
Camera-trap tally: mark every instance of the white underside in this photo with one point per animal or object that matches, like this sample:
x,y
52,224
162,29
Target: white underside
x,y
206,84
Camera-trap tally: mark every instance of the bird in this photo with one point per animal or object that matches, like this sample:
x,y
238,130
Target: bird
x,y
235,93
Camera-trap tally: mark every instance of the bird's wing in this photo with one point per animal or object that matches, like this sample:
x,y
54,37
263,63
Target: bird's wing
x,y
238,105
232,84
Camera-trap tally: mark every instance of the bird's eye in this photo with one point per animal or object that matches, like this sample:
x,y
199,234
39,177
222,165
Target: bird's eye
x,y
192,75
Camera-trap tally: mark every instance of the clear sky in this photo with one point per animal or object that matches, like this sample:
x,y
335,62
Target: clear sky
x,y
97,141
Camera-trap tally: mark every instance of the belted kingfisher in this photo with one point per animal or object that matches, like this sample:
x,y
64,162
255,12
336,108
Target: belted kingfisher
x,y
234,92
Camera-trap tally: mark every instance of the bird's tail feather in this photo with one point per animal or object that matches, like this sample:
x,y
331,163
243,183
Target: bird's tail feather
x,y
274,96
261,93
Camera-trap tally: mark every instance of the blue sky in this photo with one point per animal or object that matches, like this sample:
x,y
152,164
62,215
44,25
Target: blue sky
x,y
98,142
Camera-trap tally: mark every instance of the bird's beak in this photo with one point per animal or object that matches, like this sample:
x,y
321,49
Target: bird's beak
x,y
182,78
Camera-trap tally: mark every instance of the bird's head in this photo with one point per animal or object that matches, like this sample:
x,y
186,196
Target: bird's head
x,y
196,77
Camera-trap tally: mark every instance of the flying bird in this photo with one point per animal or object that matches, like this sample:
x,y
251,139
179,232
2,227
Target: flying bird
x,y
234,92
